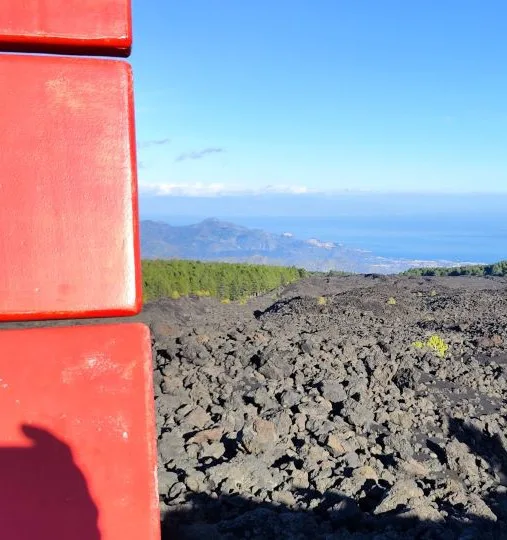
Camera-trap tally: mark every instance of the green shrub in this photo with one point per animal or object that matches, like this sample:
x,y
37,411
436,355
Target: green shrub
x,y
437,344
434,343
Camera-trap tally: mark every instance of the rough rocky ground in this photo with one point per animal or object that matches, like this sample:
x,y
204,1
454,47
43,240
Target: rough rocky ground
x,y
297,418
294,417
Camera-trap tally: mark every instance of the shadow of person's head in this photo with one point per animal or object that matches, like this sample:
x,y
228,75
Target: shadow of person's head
x,y
43,493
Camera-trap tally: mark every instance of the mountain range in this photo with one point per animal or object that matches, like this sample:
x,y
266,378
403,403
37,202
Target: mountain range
x,y
216,240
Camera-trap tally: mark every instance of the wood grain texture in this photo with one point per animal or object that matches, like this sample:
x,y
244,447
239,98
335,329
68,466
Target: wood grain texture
x,y
77,434
93,27
69,238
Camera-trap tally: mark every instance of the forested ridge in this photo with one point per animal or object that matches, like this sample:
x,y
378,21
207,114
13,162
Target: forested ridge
x,y
227,281
239,281
496,269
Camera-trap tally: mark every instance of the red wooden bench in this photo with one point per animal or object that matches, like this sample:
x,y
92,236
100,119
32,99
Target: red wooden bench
x,y
77,429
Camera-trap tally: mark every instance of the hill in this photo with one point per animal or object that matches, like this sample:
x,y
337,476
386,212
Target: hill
x,y
215,240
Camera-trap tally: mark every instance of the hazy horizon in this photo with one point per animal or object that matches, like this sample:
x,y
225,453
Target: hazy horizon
x,y
319,204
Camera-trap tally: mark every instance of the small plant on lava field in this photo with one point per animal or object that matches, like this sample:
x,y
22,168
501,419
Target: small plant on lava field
x,y
435,343
321,301
391,301
438,345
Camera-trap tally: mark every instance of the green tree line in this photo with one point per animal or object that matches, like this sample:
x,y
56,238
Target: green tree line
x,y
496,269
227,281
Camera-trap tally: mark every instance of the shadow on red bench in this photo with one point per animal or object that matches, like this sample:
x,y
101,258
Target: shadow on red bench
x,y
43,494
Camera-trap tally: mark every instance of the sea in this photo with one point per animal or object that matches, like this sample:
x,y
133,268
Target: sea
x,y
480,237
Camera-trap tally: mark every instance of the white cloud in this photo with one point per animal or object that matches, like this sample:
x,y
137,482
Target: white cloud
x,y
199,189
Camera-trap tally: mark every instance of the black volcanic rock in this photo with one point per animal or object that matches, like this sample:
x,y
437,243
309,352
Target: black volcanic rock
x,y
318,425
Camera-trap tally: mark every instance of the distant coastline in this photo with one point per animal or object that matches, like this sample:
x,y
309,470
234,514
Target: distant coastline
x,y
216,240
459,242
458,228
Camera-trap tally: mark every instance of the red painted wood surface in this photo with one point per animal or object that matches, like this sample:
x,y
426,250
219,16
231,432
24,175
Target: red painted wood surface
x,y
66,26
69,239
77,434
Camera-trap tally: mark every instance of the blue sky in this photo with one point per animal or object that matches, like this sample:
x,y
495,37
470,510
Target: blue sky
x,y
325,95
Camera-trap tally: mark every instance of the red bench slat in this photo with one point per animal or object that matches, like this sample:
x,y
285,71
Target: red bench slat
x,y
66,26
69,240
77,434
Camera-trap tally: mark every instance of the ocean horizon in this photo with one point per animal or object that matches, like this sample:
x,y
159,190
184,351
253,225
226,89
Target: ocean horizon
x,y
455,237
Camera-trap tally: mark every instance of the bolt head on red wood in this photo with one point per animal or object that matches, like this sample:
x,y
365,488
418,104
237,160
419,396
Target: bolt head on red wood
x,y
66,26
78,452
69,239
